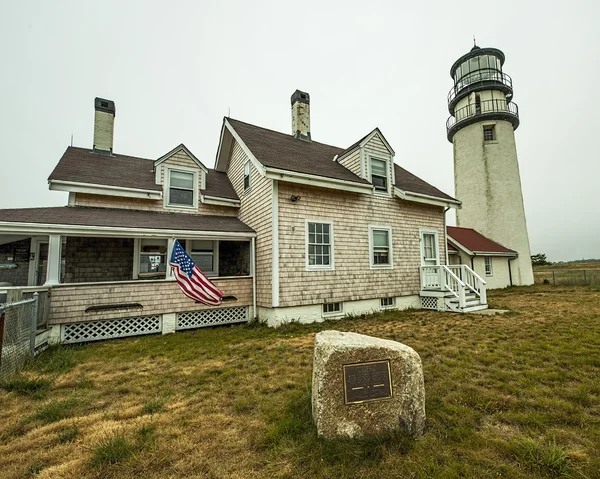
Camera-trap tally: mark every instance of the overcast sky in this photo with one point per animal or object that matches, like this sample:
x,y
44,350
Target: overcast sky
x,y
174,69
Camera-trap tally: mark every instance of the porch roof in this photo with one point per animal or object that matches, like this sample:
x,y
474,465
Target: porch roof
x,y
475,243
75,220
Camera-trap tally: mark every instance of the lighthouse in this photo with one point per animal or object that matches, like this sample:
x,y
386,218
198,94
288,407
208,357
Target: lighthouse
x,y
481,128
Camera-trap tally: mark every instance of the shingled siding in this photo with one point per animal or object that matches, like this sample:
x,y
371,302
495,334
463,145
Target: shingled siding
x,y
89,260
376,148
255,211
19,275
352,162
84,199
69,303
351,214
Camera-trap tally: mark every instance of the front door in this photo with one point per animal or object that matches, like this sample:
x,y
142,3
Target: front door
x,y
41,265
429,249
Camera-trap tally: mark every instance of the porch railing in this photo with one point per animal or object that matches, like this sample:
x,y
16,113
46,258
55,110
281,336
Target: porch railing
x,y
472,280
456,279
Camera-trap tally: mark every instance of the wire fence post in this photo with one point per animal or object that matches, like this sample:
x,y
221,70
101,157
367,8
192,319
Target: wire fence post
x,y
584,277
34,316
553,278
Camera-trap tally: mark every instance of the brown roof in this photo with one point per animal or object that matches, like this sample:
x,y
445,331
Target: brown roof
x,y
85,166
122,218
476,242
406,181
279,150
218,184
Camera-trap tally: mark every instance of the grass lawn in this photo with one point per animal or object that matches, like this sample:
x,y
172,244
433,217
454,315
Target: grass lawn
x,y
514,396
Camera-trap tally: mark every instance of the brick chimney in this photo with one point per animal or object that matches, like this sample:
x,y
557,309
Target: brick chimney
x,y
301,115
104,122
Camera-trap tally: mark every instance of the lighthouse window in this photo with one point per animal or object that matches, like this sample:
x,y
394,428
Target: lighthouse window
x,y
488,133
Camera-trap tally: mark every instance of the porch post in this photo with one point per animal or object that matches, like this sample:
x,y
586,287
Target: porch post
x,y
54,260
170,244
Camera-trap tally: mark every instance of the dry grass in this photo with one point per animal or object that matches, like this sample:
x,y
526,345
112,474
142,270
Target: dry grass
x,y
507,396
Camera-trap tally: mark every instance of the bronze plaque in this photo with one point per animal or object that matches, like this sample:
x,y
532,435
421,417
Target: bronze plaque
x,y
367,381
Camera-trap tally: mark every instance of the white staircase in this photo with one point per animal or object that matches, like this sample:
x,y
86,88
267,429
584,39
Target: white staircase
x,y
452,288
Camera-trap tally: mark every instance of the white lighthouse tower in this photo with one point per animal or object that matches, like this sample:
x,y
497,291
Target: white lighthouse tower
x,y
486,169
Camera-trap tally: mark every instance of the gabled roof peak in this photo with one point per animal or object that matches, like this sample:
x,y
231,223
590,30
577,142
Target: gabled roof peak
x,y
177,149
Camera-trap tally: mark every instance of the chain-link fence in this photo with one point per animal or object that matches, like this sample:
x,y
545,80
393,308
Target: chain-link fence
x,y
18,323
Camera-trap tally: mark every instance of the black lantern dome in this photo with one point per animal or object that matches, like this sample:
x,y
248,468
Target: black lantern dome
x,y
476,71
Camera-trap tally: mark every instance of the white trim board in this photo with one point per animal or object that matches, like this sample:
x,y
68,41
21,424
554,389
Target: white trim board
x,y
313,180
176,150
107,190
115,231
275,244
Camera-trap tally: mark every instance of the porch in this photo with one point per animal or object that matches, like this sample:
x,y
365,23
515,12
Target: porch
x,y
114,281
454,288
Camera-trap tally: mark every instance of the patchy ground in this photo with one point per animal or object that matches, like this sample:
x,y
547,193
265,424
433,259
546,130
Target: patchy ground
x,y
515,396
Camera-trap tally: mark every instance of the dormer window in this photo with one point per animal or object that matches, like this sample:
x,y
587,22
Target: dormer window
x,y
379,174
181,188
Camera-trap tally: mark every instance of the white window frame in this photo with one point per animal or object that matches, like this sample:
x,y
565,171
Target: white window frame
x,y
387,161
391,247
166,187
215,254
319,267
422,232
248,165
137,248
392,304
487,261
332,314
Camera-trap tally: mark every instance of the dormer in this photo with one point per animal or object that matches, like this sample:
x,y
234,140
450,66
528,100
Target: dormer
x,y
182,177
372,158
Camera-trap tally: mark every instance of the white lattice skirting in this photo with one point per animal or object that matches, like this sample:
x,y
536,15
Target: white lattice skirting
x,y
114,328
429,302
211,317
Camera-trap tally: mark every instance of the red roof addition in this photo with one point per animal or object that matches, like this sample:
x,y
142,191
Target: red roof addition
x,y
475,242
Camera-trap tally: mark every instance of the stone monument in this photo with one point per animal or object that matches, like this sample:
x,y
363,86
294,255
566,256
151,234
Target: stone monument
x,y
366,386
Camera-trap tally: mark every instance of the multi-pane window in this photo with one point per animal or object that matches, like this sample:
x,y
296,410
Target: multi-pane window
x,y
487,260
202,253
488,133
332,309
181,188
380,248
153,258
379,176
429,249
387,302
319,246
246,175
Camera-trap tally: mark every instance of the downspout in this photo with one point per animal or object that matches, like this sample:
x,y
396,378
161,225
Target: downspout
x,y
446,235
510,271
253,251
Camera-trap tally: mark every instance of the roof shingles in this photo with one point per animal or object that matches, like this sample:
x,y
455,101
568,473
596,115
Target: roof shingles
x,y
122,218
476,242
86,166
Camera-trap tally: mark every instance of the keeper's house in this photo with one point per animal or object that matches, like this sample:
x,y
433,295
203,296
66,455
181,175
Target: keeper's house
x,y
289,228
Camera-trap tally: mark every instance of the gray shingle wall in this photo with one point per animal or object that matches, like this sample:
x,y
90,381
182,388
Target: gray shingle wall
x,y
98,259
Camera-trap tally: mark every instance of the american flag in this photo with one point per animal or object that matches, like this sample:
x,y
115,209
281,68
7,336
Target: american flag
x,y
193,282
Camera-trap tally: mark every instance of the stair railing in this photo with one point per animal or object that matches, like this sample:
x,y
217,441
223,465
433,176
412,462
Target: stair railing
x,y
455,285
472,280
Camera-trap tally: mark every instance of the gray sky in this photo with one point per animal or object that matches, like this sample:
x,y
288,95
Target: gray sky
x,y
175,68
